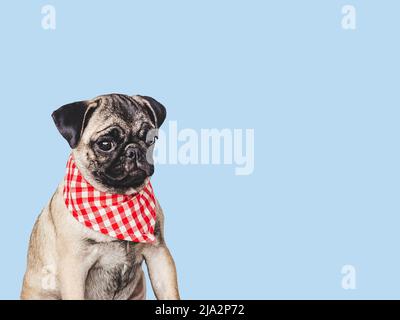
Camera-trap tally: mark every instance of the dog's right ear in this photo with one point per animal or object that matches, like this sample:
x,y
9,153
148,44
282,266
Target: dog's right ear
x,y
71,119
158,111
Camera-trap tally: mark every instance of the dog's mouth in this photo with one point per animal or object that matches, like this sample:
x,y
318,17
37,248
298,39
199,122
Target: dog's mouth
x,y
121,179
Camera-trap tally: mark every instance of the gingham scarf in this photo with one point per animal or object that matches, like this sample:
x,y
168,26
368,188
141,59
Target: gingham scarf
x,y
125,217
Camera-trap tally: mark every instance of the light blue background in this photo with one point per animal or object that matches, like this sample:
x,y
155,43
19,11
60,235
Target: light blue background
x,y
324,103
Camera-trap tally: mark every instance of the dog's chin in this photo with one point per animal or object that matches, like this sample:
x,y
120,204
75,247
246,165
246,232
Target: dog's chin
x,y
133,180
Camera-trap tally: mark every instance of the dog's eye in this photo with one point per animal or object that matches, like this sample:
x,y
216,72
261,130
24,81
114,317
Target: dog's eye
x,y
150,136
105,145
152,140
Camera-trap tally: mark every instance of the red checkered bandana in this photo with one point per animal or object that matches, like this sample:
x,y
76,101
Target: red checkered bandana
x,y
125,217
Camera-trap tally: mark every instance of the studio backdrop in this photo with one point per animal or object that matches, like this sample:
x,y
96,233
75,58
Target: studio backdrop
x,y
277,166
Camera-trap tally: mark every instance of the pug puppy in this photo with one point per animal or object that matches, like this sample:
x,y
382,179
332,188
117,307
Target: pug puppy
x,y
111,138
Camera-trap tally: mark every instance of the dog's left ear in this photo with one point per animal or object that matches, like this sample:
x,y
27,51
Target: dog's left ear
x,y
157,110
71,119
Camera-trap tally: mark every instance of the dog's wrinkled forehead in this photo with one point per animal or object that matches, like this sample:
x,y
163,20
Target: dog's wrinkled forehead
x,y
127,112
124,109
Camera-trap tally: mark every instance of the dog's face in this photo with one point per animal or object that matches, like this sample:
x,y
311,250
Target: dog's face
x,y
112,138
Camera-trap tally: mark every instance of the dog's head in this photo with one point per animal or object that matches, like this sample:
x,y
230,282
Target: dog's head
x,y
112,137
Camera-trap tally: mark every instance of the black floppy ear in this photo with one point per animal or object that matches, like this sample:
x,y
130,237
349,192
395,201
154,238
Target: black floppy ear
x,y
71,119
157,110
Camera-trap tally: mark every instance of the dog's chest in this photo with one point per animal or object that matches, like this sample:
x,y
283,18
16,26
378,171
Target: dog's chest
x,y
115,273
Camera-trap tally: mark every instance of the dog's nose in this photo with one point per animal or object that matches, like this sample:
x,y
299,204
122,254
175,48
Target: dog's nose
x,y
132,157
131,153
